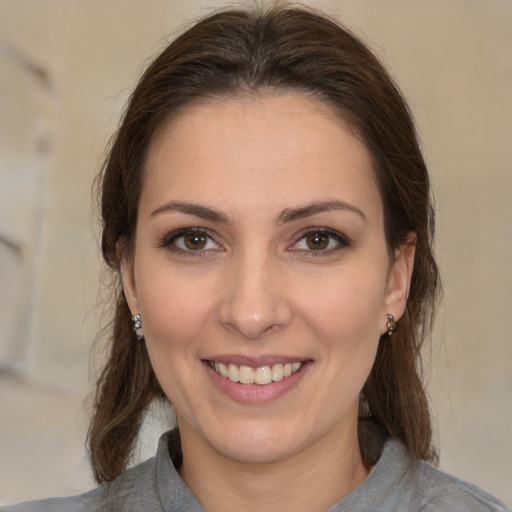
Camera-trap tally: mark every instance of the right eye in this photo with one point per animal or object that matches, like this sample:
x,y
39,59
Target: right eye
x,y
193,241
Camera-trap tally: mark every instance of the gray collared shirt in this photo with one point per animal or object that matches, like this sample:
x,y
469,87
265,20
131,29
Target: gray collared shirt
x,y
395,484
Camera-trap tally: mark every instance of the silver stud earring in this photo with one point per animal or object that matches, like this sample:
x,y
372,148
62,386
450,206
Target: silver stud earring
x,y
137,325
364,406
391,324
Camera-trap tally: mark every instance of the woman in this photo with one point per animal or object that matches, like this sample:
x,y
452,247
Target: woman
x,y
266,210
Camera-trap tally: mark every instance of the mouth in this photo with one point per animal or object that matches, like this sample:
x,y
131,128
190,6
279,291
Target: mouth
x,y
262,375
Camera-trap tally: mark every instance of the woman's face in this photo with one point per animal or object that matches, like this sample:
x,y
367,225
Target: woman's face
x,y
262,275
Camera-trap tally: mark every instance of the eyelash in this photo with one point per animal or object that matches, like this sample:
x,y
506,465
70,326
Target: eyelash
x,y
342,242
168,241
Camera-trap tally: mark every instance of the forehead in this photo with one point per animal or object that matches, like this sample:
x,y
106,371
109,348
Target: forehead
x,y
254,152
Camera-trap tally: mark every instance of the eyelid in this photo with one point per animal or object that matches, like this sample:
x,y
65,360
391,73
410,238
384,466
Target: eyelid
x,y
167,241
343,241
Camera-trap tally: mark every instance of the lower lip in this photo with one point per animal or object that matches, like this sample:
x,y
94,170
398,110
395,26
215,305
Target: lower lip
x,y
256,393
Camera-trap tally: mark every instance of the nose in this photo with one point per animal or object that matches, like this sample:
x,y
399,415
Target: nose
x,y
254,303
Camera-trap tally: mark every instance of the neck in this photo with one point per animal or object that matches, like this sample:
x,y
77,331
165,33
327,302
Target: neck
x,y
313,480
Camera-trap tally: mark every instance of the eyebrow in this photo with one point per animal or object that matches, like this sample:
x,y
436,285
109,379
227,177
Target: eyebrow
x,y
288,215
198,210
292,214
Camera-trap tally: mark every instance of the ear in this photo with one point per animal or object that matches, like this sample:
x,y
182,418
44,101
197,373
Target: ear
x,y
127,275
399,279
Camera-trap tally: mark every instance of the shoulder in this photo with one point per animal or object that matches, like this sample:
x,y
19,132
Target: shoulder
x,y
133,490
427,489
399,484
90,501
441,491
153,485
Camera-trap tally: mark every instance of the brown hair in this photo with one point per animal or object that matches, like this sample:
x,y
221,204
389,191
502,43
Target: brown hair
x,y
264,52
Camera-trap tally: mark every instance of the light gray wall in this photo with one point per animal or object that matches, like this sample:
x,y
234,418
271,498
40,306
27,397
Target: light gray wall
x,y
66,68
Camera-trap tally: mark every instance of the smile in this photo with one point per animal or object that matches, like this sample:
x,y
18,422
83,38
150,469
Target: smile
x,y
262,375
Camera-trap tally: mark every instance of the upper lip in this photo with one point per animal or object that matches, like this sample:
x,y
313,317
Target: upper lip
x,y
255,362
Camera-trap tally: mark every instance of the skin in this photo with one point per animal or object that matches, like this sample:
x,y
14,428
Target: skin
x,y
256,288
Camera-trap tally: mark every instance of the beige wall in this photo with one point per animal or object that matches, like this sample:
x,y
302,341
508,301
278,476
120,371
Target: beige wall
x,y
66,68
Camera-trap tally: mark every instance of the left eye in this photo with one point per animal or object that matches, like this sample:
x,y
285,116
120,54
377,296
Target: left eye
x,y
319,241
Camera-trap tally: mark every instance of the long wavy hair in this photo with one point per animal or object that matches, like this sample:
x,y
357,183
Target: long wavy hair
x,y
260,51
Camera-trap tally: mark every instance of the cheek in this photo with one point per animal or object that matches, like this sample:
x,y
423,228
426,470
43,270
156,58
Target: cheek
x,y
174,309
346,317
347,306
175,317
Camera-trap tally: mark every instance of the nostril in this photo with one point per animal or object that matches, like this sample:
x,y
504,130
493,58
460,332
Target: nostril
x,y
253,304
270,329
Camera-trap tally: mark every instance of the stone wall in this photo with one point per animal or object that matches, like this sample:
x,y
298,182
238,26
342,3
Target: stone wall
x,y
66,68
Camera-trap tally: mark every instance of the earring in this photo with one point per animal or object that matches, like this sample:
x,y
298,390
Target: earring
x,y
391,324
364,406
137,325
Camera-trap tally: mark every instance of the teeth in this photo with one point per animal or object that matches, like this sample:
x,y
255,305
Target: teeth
x,y
246,375
223,370
233,373
277,372
262,375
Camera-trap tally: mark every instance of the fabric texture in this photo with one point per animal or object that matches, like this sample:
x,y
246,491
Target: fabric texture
x,y
395,484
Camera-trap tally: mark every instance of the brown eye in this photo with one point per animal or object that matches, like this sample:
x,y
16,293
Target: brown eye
x,y
318,241
191,241
195,241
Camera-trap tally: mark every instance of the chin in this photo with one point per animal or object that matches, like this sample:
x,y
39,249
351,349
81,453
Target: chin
x,y
248,451
248,444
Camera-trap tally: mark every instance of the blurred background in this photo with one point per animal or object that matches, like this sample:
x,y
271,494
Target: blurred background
x,y
66,69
